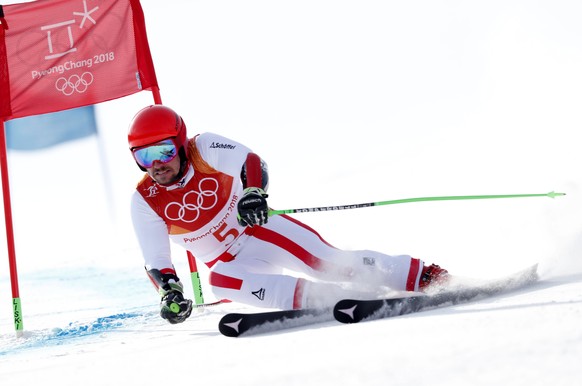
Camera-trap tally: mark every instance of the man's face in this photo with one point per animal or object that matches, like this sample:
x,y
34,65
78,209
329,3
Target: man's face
x,y
160,160
165,173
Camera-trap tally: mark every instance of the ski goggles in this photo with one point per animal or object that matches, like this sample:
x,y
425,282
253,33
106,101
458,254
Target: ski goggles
x,y
163,151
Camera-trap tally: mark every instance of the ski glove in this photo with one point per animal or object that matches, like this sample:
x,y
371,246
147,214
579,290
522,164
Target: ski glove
x,y
174,308
252,207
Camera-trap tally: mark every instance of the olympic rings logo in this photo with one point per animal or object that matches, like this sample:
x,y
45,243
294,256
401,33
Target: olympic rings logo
x,y
194,202
75,82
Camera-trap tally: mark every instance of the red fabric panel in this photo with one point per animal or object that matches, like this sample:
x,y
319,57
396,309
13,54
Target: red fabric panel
x,y
254,172
290,246
145,64
298,295
415,266
62,54
223,281
4,83
225,257
306,227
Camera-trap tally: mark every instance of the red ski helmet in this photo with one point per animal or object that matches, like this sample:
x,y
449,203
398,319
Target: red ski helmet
x,y
155,123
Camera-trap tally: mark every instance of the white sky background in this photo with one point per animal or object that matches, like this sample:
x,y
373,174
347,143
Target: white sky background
x,y
348,102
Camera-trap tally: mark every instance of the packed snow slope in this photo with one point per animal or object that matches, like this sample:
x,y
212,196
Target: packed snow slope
x,y
349,102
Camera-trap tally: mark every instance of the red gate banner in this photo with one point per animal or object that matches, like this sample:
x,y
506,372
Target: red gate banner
x,y
60,54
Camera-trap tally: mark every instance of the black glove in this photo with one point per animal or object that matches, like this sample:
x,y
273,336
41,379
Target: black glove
x,y
253,208
174,308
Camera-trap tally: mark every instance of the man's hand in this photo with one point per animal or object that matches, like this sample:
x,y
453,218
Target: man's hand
x,y
252,207
174,308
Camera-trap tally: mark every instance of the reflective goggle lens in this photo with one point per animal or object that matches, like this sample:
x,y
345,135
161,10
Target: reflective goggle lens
x,y
163,151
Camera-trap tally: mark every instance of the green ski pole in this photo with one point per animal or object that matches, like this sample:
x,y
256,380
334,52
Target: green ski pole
x,y
406,200
195,276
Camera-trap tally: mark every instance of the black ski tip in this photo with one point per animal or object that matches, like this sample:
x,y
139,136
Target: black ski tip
x,y
354,311
345,311
236,324
232,325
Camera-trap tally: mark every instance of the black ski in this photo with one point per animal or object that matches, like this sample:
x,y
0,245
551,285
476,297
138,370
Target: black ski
x,y
237,324
354,311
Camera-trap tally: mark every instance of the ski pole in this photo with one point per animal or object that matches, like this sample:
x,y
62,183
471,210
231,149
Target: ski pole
x,y
195,276
406,200
215,303
197,285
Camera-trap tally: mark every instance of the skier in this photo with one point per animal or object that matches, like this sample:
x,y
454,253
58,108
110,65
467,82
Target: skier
x,y
208,194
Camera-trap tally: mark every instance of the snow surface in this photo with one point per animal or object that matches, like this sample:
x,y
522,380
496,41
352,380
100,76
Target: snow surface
x,y
349,102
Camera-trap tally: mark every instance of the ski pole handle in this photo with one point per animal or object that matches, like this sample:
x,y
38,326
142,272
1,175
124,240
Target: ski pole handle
x,y
406,200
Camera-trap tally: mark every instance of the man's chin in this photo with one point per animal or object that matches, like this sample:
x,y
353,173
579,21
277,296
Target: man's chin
x,y
165,179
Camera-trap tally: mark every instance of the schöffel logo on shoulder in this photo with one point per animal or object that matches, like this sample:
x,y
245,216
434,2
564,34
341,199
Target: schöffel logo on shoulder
x,y
215,145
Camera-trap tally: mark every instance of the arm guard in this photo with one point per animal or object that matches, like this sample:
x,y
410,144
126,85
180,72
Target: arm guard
x,y
255,172
165,281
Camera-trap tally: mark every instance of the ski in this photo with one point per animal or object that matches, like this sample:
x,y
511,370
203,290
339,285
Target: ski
x,y
236,324
354,311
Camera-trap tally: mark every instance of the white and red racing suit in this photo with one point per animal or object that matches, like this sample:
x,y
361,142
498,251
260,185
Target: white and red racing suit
x,y
251,265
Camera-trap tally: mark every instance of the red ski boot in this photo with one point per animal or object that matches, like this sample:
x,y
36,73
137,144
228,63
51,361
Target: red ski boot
x,y
432,275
